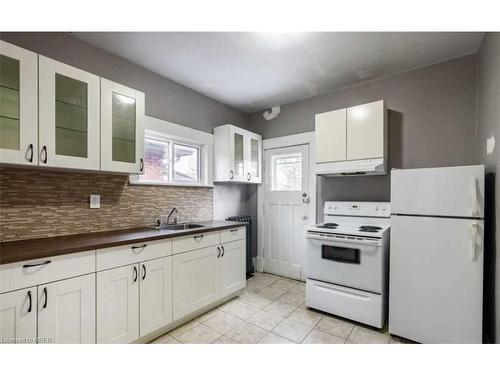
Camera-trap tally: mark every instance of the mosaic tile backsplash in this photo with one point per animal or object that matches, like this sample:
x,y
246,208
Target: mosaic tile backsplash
x,y
40,203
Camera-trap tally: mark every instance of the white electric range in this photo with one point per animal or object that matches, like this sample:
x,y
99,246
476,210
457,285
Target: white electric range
x,y
348,261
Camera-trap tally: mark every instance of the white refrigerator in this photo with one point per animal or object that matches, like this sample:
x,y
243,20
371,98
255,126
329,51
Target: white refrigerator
x,y
436,254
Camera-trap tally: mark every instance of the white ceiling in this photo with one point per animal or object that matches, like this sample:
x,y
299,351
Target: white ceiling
x,y
252,71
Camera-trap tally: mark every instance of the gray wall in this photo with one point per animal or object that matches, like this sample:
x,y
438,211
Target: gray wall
x,y
488,126
431,123
165,99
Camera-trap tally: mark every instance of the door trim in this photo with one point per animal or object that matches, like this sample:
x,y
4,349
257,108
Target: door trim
x,y
307,138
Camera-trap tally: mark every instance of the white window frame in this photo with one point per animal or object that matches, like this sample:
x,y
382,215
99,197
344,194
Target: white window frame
x,y
165,131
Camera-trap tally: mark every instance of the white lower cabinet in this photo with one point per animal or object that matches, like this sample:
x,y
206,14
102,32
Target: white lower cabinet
x,y
18,316
118,305
155,294
66,311
233,267
196,280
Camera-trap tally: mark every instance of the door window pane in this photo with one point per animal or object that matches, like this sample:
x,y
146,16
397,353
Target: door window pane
x,y
71,117
186,163
287,172
156,161
238,155
123,128
254,157
9,103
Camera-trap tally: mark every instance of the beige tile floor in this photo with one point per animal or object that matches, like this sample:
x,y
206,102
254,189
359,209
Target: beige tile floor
x,y
271,310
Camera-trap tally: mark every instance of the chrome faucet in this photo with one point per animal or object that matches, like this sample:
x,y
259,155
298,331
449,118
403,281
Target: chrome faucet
x,y
174,210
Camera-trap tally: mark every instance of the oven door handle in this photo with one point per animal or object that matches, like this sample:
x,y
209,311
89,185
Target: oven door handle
x,y
367,242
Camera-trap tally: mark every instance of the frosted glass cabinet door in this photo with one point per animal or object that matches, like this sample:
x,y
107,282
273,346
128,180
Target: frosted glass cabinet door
x,y
122,131
237,148
68,116
254,158
18,105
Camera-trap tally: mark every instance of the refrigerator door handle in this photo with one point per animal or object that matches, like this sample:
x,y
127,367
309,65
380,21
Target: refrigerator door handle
x,y
474,238
474,196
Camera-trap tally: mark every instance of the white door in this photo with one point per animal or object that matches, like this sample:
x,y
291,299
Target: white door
x,y
68,116
366,131
118,305
196,280
233,266
18,316
66,311
122,128
286,210
18,105
448,191
155,294
436,279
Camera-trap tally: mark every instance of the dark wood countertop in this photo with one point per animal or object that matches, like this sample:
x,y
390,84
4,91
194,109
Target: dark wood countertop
x,y
24,250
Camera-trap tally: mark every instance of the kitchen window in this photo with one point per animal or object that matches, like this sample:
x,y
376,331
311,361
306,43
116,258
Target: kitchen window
x,y
169,160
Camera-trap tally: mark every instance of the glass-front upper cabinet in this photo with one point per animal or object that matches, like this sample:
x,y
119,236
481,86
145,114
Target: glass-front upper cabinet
x,y
68,116
238,167
122,128
18,105
254,158
237,155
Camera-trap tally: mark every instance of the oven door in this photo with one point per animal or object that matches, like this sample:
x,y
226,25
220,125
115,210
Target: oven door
x,y
356,263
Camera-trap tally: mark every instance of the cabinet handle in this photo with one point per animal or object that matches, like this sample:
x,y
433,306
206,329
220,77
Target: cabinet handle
x,y
248,176
144,271
46,297
223,251
36,265
141,168
135,274
198,238
30,150
234,230
43,155
139,247
231,175
218,252
29,296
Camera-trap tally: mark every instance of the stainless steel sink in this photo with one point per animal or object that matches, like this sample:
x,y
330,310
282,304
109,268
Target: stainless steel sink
x,y
179,226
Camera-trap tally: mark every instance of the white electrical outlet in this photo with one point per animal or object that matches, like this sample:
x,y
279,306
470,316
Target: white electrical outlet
x,y
95,201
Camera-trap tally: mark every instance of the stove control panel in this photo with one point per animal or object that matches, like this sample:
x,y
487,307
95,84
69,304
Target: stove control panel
x,y
372,209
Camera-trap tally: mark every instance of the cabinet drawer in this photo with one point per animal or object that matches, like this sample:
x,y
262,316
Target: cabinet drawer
x,y
134,253
195,241
45,270
233,234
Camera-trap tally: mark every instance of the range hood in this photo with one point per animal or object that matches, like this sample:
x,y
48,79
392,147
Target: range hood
x,y
363,167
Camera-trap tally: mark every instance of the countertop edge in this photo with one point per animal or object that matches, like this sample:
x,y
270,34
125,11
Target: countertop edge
x,y
14,251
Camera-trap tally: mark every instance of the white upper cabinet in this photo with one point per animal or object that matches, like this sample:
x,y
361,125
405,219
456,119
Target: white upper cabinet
x,y
352,141
18,105
68,116
237,155
366,131
331,130
122,128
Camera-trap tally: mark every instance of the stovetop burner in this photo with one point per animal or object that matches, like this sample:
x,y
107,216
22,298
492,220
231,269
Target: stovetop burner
x,y
328,226
369,228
